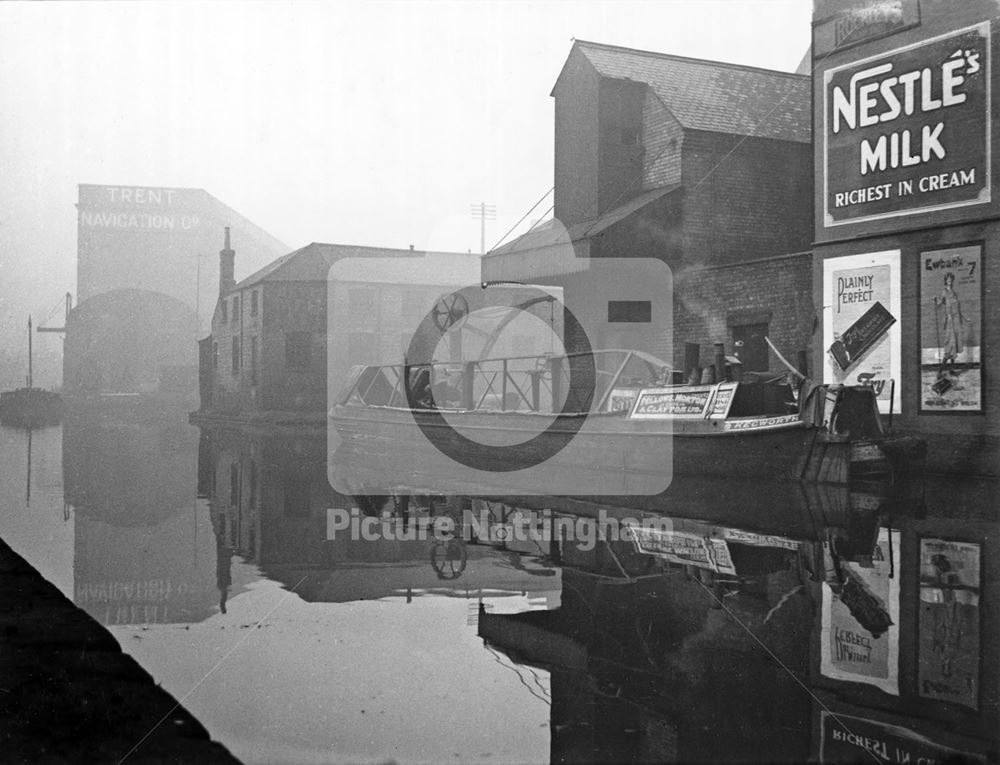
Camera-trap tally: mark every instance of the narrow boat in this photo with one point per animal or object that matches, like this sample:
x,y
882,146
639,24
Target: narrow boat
x,y
629,418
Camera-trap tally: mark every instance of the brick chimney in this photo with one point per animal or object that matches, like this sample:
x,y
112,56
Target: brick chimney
x,y
227,267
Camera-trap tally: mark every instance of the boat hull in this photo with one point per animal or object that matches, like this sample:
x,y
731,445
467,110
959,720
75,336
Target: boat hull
x,y
608,455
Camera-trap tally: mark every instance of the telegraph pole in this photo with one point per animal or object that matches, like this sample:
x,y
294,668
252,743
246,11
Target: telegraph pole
x,y
483,212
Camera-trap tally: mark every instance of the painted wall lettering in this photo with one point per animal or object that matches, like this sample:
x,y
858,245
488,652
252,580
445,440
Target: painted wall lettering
x,y
908,131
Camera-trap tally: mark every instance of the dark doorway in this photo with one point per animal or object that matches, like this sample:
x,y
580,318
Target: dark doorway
x,y
750,347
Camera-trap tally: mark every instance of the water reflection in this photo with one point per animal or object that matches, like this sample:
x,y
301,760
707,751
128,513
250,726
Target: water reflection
x,y
741,621
144,551
863,636
271,504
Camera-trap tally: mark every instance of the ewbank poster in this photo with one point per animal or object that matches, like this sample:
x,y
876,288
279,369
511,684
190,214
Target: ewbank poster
x,y
951,374
861,331
949,622
860,623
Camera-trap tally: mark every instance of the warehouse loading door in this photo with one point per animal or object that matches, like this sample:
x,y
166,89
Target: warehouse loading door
x,y
750,346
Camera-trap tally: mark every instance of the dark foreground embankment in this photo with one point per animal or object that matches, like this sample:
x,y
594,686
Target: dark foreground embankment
x,y
69,694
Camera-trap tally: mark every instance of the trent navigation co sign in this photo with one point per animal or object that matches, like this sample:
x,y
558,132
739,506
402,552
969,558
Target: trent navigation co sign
x,y
908,131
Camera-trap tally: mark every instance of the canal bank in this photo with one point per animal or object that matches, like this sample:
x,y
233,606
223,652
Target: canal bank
x,y
69,694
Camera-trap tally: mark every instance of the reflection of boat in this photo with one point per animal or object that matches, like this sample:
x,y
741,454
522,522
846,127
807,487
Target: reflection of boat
x,y
497,415
29,406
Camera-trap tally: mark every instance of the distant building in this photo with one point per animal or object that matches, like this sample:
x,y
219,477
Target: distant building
x,y
703,165
268,350
145,288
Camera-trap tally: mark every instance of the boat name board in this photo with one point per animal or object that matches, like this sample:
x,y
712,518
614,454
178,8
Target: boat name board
x,y
758,540
684,548
762,423
690,401
723,398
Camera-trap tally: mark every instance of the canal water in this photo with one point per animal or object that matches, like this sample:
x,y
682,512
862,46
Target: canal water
x,y
749,622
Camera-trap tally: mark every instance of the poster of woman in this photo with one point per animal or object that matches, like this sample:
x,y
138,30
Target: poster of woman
x,y
950,329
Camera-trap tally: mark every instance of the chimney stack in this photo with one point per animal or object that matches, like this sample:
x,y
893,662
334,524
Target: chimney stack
x,y
227,267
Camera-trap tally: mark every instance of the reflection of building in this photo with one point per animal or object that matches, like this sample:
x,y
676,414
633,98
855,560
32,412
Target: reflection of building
x,y
667,656
143,549
142,290
269,343
646,666
700,164
923,687
270,502
906,202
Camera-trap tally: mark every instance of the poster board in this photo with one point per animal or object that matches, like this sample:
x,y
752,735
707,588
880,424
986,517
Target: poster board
x,y
951,330
854,286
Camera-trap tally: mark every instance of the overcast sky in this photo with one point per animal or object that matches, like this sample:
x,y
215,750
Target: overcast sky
x,y
367,123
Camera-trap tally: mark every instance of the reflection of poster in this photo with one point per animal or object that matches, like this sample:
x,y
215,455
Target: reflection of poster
x,y
846,738
860,628
949,621
861,329
951,330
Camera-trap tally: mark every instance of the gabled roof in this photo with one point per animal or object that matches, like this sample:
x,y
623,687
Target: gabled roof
x,y
712,95
313,262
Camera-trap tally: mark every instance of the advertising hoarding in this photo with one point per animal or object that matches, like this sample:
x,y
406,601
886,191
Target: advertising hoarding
x,y
951,321
855,287
908,131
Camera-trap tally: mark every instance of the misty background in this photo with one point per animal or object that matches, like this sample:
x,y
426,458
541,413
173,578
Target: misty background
x,y
362,123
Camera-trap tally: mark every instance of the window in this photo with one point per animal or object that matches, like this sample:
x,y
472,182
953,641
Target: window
x,y
253,360
254,300
225,311
215,355
298,350
236,355
236,308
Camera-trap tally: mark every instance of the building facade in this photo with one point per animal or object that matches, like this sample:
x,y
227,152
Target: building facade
x,y
270,349
145,288
906,216
699,164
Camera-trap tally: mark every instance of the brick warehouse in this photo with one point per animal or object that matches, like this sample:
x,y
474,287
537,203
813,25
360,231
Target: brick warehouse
x,y
703,165
268,353
904,101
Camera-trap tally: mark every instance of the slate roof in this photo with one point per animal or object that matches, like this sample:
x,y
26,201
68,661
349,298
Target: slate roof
x,y
313,262
712,95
